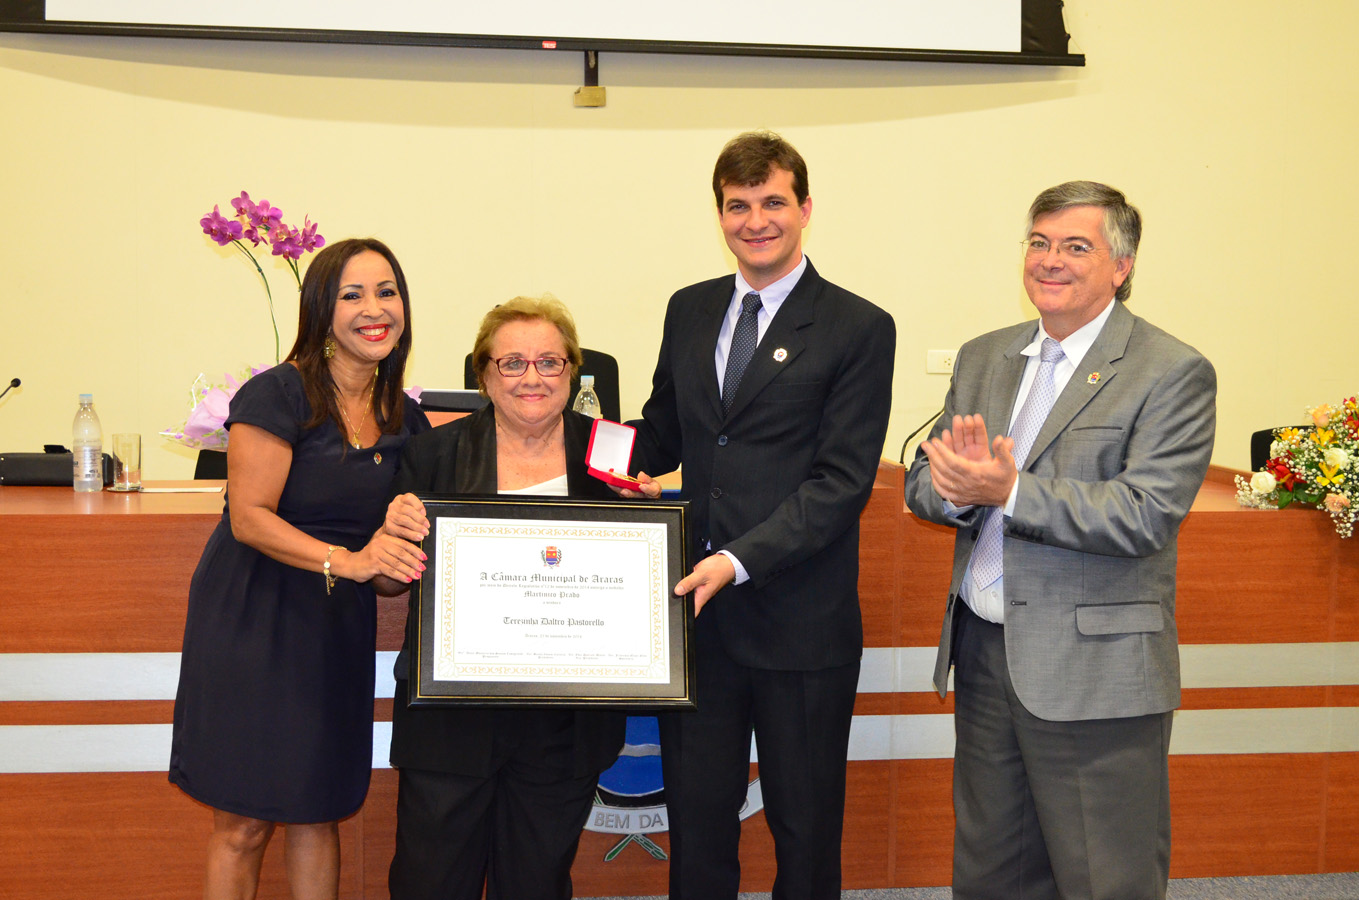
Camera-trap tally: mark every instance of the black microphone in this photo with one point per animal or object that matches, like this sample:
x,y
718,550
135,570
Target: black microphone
x,y
13,383
922,427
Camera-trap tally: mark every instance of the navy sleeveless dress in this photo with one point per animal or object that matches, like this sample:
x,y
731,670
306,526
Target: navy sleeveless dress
x,y
274,714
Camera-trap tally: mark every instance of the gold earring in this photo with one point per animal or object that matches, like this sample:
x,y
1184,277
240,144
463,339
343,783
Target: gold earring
x,y
328,348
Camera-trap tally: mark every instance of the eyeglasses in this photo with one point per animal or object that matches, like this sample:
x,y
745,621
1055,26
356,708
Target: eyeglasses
x,y
1071,249
514,366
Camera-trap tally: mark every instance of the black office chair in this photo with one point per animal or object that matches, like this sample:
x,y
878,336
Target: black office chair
x,y
601,365
465,401
211,465
1260,442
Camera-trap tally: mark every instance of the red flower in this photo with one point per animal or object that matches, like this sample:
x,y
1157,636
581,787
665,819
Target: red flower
x,y
1282,474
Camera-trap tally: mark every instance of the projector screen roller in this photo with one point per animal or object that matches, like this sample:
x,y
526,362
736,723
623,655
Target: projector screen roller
x,y
1022,31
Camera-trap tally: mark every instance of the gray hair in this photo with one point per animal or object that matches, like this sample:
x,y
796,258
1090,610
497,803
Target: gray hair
x,y
1122,226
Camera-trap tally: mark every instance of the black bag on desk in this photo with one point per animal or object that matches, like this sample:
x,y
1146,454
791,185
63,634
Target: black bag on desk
x,y
53,469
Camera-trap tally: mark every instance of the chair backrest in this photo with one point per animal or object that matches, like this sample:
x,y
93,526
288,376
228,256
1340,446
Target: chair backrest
x,y
211,465
601,365
1260,442
461,401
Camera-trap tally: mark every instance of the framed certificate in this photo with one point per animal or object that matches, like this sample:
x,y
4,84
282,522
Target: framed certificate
x,y
537,602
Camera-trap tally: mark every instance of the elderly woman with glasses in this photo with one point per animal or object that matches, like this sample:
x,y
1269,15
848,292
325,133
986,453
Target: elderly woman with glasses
x,y
498,797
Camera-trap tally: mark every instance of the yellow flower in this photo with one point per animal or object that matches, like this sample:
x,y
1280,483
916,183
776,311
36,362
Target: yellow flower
x,y
1331,475
1323,436
1288,435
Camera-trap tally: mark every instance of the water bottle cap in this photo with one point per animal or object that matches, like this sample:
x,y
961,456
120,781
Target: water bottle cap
x,y
587,381
87,398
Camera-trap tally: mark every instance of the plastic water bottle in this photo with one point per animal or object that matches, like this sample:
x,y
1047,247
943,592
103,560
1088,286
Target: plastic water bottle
x,y
87,447
587,401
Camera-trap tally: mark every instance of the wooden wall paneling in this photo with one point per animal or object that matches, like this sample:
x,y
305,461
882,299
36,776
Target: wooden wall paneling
x,y
1340,852
1246,577
870,826
1248,814
923,813
1216,579
79,584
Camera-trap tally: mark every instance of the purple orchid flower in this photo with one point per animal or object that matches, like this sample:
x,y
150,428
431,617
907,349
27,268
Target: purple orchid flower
x,y
260,223
287,242
267,216
220,228
310,239
244,206
260,215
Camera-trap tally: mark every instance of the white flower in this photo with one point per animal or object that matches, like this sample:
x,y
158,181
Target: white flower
x,y
1277,449
1262,483
1336,457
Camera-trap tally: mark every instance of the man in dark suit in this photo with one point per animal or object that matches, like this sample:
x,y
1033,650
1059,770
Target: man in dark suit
x,y
1060,624
772,390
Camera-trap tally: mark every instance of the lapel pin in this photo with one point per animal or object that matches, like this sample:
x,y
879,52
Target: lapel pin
x,y
780,355
1093,379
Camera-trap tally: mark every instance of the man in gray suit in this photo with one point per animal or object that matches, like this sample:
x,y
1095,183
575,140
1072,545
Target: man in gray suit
x,y
1060,622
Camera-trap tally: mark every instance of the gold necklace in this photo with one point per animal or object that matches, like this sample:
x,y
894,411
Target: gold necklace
x,y
354,432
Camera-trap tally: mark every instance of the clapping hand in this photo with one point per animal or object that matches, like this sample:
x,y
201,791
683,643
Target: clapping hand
x,y
966,469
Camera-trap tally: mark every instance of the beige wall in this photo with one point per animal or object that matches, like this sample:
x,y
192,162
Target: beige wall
x,y
1233,130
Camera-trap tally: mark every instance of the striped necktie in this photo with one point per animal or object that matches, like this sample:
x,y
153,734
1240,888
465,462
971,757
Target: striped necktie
x,y
743,340
989,556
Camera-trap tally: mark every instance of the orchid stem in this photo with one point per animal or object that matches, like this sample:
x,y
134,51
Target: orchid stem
x,y
267,292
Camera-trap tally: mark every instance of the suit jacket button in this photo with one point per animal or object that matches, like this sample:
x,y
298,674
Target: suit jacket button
x,y
721,440
715,493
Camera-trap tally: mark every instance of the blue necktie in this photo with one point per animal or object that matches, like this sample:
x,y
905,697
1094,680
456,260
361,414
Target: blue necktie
x,y
989,556
743,340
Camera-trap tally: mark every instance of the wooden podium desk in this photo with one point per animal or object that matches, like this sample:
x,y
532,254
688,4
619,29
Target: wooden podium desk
x,y
1265,752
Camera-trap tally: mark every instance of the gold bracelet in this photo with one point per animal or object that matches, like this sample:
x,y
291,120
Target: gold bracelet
x,y
325,569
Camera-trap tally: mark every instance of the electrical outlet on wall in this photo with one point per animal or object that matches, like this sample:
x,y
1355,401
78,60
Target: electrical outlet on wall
x,y
939,362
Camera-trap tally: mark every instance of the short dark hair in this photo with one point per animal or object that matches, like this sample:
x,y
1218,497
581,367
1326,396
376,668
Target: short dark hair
x,y
748,159
316,314
1121,228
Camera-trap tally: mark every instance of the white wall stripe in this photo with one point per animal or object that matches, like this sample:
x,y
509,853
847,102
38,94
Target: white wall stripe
x,y
88,676
154,676
56,677
1286,730
30,749
84,748
1268,665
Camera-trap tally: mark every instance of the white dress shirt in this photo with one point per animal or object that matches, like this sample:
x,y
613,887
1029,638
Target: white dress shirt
x,y
771,298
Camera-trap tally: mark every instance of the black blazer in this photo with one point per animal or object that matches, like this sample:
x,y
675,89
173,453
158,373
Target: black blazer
x,y
460,458
780,481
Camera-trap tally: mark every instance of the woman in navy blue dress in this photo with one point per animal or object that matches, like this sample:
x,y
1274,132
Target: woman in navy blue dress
x,y
273,719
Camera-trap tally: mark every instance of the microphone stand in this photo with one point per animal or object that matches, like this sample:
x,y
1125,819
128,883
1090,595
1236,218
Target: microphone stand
x,y
923,426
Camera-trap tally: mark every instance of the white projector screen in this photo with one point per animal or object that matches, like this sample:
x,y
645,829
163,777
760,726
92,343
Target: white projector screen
x,y
979,30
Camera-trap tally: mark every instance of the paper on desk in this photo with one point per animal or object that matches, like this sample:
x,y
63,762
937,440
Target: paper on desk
x,y
182,490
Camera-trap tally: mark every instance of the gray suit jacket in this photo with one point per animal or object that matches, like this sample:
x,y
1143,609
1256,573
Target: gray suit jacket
x,y
1090,551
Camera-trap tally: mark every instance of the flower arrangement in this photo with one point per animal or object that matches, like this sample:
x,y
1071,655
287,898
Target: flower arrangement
x,y
204,428
261,223
1317,465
